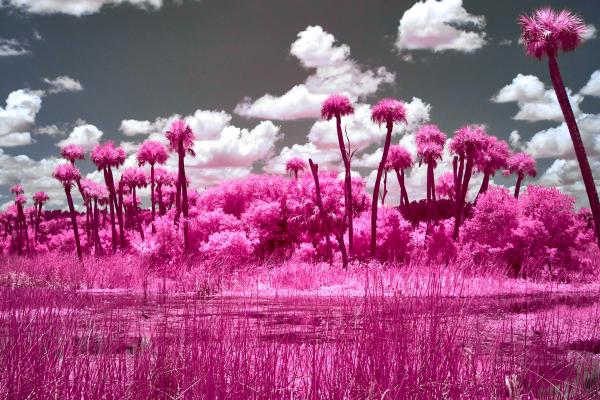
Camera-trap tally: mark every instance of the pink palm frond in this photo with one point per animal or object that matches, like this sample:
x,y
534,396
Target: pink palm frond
x,y
181,131
66,174
152,152
336,105
72,152
388,111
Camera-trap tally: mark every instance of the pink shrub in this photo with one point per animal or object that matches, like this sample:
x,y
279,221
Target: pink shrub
x,y
233,247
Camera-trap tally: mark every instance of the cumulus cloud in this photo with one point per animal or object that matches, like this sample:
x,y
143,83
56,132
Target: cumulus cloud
x,y
50,130
18,117
63,84
74,7
12,47
326,158
536,102
205,123
439,26
565,175
592,88
590,32
556,142
34,175
335,72
86,136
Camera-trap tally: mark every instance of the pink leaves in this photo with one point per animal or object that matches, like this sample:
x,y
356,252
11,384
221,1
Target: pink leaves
x,y
398,158
152,152
17,189
40,197
108,155
388,111
522,164
180,132
66,174
430,143
295,165
492,156
467,140
547,31
72,152
336,105
134,177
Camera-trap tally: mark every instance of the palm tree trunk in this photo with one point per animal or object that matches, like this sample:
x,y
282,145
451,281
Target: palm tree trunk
x,y
73,221
37,220
518,185
386,148
184,198
111,203
348,183
584,165
485,184
119,210
136,216
463,195
161,206
315,172
152,196
384,187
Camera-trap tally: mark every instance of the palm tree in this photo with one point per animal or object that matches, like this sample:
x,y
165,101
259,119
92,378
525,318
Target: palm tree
x,y
134,178
521,164
67,174
466,143
336,106
38,200
95,192
430,146
163,178
400,159
73,152
295,165
314,168
105,157
152,152
545,33
492,157
21,222
388,111
181,140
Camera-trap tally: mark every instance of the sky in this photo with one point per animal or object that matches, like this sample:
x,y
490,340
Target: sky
x,y
250,76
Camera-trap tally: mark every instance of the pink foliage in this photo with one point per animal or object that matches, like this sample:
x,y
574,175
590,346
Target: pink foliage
x,y
547,31
164,177
336,105
468,140
134,177
430,134
388,111
107,155
398,158
66,174
180,131
72,152
521,164
493,155
94,190
20,199
445,186
295,165
40,197
16,189
152,152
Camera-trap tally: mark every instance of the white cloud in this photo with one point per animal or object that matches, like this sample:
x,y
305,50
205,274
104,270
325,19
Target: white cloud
x,y
50,130
565,175
536,103
328,159
18,116
63,84
362,132
86,136
592,88
590,32
505,42
34,175
12,47
335,72
74,7
515,140
439,26
205,123
556,142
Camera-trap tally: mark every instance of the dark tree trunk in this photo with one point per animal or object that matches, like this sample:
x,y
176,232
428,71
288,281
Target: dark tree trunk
x,y
385,191
74,221
119,210
182,189
464,186
111,203
584,165
386,148
314,168
518,185
161,206
348,183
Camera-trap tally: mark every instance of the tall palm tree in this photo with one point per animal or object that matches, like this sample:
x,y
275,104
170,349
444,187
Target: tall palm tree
x,y
430,146
105,157
388,112
295,165
466,143
492,157
400,159
336,106
21,221
181,140
67,174
39,199
521,164
545,33
152,152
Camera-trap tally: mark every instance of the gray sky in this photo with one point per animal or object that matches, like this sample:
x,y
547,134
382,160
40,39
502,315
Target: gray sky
x,y
74,70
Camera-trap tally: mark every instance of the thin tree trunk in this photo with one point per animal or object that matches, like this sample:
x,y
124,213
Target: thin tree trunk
x,y
463,195
111,203
37,220
584,165
152,196
385,173
342,246
485,184
73,221
348,183
119,210
161,206
184,198
518,185
386,148
324,221
136,217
